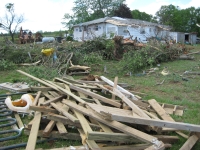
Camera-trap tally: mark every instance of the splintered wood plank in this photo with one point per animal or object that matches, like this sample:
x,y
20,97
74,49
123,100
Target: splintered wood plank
x,y
43,109
54,94
91,143
99,108
119,88
45,89
59,118
86,128
46,94
104,136
66,121
160,110
134,107
104,127
49,128
52,100
126,147
153,122
115,86
37,79
61,128
67,92
65,107
153,147
65,113
57,135
34,130
67,148
36,98
117,125
72,80
19,121
162,113
189,143
83,136
94,95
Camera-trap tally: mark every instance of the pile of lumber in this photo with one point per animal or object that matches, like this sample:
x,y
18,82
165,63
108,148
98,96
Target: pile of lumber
x,y
105,116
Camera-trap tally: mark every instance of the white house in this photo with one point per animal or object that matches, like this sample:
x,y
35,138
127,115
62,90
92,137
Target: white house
x,y
109,26
143,30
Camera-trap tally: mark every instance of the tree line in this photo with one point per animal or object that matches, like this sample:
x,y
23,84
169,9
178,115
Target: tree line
x,y
181,20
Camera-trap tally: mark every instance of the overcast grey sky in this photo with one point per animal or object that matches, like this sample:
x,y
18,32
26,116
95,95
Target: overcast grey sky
x,y
46,15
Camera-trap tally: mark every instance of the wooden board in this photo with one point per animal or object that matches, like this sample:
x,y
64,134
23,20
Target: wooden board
x,y
19,121
162,113
34,130
43,109
61,128
157,123
65,113
189,143
86,128
119,126
94,95
49,128
56,134
134,107
46,94
53,100
99,108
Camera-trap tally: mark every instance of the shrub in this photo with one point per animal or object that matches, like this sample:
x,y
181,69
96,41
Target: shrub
x,y
6,65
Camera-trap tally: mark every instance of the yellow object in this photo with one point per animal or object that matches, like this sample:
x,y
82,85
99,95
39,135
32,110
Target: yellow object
x,y
47,52
21,105
165,72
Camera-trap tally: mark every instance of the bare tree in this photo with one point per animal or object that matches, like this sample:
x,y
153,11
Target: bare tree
x,y
11,21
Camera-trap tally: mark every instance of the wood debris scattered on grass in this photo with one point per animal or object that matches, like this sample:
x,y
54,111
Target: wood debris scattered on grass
x,y
118,121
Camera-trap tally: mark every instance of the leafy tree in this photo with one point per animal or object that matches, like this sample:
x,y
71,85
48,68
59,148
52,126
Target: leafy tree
x,y
87,10
11,21
123,11
166,14
141,15
181,20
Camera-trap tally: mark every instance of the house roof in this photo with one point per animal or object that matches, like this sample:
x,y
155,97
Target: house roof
x,y
123,22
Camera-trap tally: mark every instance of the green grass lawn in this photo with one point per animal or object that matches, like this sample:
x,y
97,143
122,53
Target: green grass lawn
x,y
174,90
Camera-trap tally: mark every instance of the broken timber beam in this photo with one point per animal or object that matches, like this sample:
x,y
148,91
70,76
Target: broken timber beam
x,y
34,130
162,113
134,107
153,122
37,79
49,128
66,92
190,142
121,127
65,113
46,103
118,87
97,96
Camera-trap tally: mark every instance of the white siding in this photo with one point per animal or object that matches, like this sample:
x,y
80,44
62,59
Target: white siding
x,y
90,32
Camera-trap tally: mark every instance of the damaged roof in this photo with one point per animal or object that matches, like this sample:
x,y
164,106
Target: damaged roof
x,y
123,22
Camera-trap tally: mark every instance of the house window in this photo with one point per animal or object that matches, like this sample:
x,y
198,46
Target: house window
x,y
76,30
149,29
122,31
96,28
142,30
80,29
